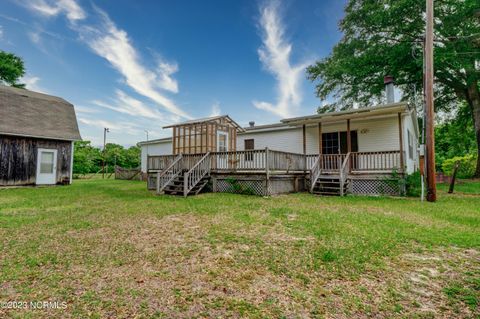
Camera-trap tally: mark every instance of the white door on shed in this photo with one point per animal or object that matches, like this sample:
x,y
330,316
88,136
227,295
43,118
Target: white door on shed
x,y
46,167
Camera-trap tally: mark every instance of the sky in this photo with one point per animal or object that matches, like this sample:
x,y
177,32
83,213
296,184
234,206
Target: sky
x,y
136,66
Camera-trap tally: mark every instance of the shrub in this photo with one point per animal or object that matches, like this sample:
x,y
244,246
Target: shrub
x,y
413,184
466,169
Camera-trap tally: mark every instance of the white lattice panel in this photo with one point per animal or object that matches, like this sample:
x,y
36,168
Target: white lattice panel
x,y
252,187
375,187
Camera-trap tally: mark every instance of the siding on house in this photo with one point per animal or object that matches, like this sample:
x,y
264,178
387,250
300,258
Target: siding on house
x,y
18,159
159,148
374,135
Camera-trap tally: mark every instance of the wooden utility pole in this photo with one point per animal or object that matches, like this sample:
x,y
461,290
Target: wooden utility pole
x,y
430,112
105,130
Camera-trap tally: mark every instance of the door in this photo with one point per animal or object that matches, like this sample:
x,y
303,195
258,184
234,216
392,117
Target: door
x,y
222,146
46,167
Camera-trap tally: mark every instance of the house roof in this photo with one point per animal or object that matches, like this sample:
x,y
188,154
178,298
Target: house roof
x,y
349,114
156,141
206,120
33,114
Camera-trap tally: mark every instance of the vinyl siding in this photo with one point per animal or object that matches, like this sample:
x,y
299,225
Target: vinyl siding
x,y
163,148
380,134
373,135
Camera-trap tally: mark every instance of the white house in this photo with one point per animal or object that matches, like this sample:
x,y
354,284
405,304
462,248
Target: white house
x,y
391,127
358,151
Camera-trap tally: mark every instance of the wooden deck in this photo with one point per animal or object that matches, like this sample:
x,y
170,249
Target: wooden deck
x,y
193,168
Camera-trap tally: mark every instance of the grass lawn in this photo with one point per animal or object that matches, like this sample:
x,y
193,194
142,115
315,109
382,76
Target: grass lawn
x,y
463,187
111,249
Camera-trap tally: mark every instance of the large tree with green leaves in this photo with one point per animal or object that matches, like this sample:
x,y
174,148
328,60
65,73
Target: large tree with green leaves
x,y
385,37
11,69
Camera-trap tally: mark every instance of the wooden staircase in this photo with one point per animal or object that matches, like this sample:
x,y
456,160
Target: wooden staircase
x,y
176,186
177,180
330,185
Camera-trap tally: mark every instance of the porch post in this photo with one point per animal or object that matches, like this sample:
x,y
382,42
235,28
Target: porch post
x,y
400,135
174,141
304,133
349,138
320,138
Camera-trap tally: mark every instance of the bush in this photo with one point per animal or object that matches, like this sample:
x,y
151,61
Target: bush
x,y
466,169
413,184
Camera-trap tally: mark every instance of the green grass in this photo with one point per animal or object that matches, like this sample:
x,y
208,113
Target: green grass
x,y
463,186
113,249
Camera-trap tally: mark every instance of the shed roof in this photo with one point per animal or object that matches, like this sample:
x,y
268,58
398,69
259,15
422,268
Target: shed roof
x,y
33,114
206,120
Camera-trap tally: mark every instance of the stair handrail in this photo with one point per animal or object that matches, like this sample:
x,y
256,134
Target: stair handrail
x,y
343,173
315,173
173,170
196,173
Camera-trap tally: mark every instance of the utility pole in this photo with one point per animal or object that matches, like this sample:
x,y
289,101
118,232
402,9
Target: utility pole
x,y
105,131
430,111
146,131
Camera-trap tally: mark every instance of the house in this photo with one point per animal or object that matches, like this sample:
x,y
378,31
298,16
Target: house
x,y
358,151
37,132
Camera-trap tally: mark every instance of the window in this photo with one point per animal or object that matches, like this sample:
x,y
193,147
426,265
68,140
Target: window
x,y
410,144
336,142
222,142
249,145
46,162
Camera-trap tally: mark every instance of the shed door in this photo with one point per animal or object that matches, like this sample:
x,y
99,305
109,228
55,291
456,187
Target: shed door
x,y
46,167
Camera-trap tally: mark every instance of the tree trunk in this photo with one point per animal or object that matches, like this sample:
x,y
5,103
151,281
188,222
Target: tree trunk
x,y
473,98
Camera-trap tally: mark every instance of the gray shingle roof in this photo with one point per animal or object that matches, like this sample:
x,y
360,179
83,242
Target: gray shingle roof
x,y
28,113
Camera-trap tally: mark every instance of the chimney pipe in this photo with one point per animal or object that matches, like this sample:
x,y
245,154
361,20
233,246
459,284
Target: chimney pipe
x,y
389,88
251,123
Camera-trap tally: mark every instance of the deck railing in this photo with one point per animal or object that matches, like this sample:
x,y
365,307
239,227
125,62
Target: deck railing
x,y
250,160
264,160
159,163
386,161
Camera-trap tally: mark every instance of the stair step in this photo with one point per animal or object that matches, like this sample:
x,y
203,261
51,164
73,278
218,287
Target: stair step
x,y
326,193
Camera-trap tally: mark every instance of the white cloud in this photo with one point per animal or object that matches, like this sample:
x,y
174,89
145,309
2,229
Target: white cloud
x,y
117,127
216,109
34,37
1,32
275,57
114,45
53,8
31,83
126,104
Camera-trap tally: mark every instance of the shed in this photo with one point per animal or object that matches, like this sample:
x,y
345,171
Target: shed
x,y
211,134
37,132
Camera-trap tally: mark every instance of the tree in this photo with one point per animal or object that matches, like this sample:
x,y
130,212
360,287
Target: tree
x,y
11,69
455,136
385,38
86,158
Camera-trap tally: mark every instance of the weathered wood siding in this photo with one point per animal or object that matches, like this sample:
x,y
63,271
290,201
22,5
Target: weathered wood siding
x,y
18,159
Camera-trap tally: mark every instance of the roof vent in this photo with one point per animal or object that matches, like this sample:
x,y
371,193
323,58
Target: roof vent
x,y
251,123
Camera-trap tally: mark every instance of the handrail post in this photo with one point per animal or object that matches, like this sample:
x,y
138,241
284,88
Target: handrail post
x,y
158,183
185,184
267,171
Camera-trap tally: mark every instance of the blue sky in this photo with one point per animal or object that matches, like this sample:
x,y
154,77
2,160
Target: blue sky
x,y
139,65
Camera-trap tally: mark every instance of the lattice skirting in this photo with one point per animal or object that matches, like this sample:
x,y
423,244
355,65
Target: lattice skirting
x,y
237,186
152,181
377,186
258,185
